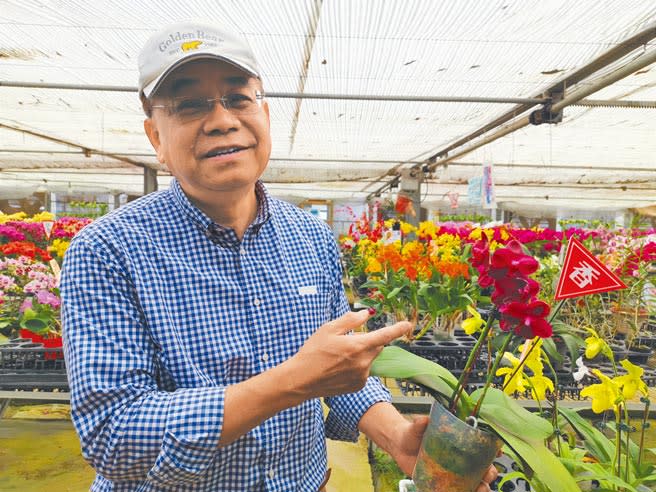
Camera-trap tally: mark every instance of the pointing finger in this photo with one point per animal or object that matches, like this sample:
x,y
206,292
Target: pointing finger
x,y
348,322
385,335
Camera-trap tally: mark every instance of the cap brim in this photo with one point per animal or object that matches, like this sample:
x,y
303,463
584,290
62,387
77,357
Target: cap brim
x,y
151,88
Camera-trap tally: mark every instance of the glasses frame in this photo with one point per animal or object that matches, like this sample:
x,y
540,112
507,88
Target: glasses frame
x,y
259,97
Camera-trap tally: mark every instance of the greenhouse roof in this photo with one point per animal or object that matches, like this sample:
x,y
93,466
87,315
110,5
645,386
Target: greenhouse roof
x,y
358,91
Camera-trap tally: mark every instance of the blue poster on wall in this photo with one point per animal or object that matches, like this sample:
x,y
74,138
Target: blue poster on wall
x,y
474,190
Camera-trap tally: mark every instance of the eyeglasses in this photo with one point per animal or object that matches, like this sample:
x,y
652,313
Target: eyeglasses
x,y
189,108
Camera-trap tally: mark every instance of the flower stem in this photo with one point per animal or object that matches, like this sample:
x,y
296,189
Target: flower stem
x,y
490,375
618,443
645,424
424,328
521,362
555,310
473,355
628,441
554,408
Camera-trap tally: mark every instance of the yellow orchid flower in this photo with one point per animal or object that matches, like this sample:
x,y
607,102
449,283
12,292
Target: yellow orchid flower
x,y
59,247
518,382
605,395
473,324
539,386
476,234
539,383
594,345
41,216
427,229
534,358
407,228
632,382
373,266
17,216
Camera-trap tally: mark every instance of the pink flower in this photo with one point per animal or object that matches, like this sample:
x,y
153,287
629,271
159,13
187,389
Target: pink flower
x,y
45,297
25,305
6,282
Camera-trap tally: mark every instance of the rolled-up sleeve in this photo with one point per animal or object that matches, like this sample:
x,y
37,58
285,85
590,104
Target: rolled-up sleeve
x,y
347,410
130,426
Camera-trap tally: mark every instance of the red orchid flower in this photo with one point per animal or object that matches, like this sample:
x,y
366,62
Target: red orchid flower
x,y
512,259
526,320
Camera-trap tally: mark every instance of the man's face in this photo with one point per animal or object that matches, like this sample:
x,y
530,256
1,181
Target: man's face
x,y
215,151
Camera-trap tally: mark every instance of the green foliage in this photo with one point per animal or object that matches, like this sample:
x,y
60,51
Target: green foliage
x,y
480,219
525,433
602,462
386,473
92,210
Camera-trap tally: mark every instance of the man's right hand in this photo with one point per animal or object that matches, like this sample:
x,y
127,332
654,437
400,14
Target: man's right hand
x,y
333,362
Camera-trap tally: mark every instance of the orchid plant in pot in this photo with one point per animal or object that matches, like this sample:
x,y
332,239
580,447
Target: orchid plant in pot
x,y
487,417
427,280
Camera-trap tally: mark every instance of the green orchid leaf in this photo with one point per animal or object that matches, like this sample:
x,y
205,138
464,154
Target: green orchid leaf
x,y
594,440
510,476
501,411
395,362
394,292
549,346
573,344
546,467
596,471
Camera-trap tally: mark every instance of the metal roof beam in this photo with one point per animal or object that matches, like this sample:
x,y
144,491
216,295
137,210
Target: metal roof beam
x,y
610,56
85,150
598,84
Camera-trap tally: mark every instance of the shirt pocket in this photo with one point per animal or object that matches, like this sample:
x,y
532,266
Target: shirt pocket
x,y
313,296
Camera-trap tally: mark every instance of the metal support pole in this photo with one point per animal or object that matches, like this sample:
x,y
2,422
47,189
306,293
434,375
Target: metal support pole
x,y
297,95
150,180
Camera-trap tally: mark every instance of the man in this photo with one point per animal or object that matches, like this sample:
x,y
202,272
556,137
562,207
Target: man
x,y
203,323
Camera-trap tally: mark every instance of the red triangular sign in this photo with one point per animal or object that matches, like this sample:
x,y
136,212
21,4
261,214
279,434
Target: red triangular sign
x,y
47,227
584,274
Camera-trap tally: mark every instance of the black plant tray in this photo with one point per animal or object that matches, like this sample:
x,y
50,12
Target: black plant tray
x,y
25,365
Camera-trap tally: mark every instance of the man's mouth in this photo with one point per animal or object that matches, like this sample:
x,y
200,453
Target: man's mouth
x,y
225,151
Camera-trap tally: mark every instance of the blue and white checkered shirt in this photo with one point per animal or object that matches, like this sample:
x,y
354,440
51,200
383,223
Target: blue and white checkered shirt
x,y
163,309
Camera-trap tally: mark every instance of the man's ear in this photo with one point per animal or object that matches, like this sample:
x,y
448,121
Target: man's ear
x,y
265,106
153,135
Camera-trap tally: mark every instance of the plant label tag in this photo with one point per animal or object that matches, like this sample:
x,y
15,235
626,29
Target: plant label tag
x,y
307,290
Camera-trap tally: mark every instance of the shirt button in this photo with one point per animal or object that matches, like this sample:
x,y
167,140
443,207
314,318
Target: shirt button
x,y
257,302
242,251
272,473
264,357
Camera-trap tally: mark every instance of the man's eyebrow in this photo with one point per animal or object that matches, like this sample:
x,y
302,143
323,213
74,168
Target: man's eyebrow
x,y
237,80
183,83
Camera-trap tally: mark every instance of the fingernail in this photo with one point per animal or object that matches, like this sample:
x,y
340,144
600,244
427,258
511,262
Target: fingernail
x,y
371,311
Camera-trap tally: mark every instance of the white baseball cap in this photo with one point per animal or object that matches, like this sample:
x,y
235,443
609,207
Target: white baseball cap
x,y
179,43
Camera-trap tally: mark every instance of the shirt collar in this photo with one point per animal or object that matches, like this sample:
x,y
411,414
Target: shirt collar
x,y
207,225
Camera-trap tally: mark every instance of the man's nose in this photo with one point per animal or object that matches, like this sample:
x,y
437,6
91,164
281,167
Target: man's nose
x,y
220,119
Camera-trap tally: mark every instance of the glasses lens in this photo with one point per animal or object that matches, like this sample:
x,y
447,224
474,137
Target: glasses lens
x,y
189,108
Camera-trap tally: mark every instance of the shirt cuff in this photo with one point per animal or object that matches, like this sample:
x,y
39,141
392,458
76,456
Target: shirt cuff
x,y
191,437
347,410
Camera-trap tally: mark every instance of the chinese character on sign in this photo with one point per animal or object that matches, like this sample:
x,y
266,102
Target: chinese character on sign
x,y
584,274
